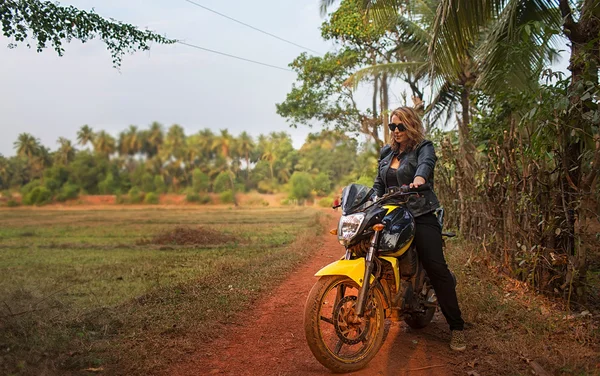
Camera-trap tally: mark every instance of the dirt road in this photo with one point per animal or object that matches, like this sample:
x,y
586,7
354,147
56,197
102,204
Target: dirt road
x,y
270,339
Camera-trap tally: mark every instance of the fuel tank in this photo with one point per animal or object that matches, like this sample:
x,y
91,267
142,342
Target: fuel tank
x,y
399,231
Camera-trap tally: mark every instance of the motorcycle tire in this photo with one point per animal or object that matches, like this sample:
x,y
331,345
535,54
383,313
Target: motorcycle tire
x,y
313,319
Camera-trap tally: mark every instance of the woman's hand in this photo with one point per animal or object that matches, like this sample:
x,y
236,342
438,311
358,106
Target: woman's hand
x,y
419,180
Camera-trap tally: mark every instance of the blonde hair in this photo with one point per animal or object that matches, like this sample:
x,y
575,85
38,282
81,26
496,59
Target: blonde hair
x,y
414,128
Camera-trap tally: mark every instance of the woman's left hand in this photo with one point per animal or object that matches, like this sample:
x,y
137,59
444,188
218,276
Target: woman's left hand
x,y
417,182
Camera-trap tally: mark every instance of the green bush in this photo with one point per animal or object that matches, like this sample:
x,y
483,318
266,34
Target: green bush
x,y
322,184
197,198
148,183
68,191
12,203
27,188
151,198
366,180
109,185
200,181
301,186
52,185
135,196
159,184
222,182
38,196
226,197
326,202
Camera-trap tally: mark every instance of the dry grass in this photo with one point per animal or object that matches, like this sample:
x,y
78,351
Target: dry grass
x,y
511,329
76,292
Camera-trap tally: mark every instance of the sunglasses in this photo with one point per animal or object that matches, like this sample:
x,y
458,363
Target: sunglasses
x,y
401,127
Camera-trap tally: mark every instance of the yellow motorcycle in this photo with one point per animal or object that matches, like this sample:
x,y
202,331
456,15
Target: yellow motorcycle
x,y
379,278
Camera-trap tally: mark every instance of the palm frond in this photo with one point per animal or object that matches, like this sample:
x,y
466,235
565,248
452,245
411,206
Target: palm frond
x,y
521,42
443,104
391,69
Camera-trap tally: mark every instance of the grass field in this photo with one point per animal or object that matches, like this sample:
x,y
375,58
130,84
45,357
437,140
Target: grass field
x,y
95,289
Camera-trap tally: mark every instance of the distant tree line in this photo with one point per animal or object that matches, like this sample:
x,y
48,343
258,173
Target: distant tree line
x,y
140,164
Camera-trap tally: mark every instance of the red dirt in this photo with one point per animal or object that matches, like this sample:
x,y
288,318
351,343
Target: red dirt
x,y
270,341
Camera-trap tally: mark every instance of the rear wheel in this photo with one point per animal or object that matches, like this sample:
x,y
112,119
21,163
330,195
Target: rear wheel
x,y
421,319
340,340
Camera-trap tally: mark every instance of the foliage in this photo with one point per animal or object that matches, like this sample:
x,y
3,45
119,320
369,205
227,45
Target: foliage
x,y
12,203
38,196
227,197
322,184
326,202
50,23
68,192
135,196
222,182
151,198
200,181
197,198
301,186
159,184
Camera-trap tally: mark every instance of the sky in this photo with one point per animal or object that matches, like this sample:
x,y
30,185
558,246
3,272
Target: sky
x,y
51,96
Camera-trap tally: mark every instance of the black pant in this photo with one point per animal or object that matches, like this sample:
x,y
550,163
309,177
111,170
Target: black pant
x,y
428,240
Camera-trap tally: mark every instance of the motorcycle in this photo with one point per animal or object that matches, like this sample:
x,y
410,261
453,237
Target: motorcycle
x,y
379,277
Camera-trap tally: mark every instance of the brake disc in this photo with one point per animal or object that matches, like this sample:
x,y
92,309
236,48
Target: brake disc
x,y
349,328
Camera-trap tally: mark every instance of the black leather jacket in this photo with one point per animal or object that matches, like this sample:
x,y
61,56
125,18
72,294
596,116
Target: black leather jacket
x,y
418,162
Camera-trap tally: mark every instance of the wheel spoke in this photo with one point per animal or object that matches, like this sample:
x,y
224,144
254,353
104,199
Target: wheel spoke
x,y
327,320
338,347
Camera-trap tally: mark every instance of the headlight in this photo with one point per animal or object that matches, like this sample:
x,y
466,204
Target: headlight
x,y
349,225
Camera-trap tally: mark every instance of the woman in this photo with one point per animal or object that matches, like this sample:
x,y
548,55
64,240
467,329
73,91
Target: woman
x,y
410,160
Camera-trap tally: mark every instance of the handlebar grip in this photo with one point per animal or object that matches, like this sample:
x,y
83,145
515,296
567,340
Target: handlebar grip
x,y
425,187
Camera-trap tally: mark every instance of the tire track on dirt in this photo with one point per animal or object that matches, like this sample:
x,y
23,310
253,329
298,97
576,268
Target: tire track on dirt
x,y
269,339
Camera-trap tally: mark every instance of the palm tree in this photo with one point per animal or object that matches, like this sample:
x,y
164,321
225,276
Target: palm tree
x,y
245,147
5,173
85,135
66,151
154,139
104,144
27,145
130,143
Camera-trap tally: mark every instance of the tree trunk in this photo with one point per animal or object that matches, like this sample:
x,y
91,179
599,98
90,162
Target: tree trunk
x,y
385,107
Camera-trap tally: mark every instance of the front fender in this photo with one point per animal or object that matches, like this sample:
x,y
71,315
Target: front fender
x,y
354,269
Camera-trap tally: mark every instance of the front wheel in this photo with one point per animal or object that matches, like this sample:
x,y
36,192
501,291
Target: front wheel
x,y
340,340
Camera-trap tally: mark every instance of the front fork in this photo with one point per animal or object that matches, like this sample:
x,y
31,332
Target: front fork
x,y
369,264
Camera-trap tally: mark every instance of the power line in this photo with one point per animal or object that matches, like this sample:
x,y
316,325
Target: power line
x,y
233,56
252,27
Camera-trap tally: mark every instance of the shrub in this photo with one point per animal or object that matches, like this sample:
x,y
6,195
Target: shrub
x,y
197,198
301,185
151,198
366,180
12,203
326,202
148,183
159,184
322,184
109,185
38,196
135,196
52,185
222,182
200,181
226,197
67,192
27,188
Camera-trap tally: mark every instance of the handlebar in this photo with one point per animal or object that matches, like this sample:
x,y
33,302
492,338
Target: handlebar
x,y
406,190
